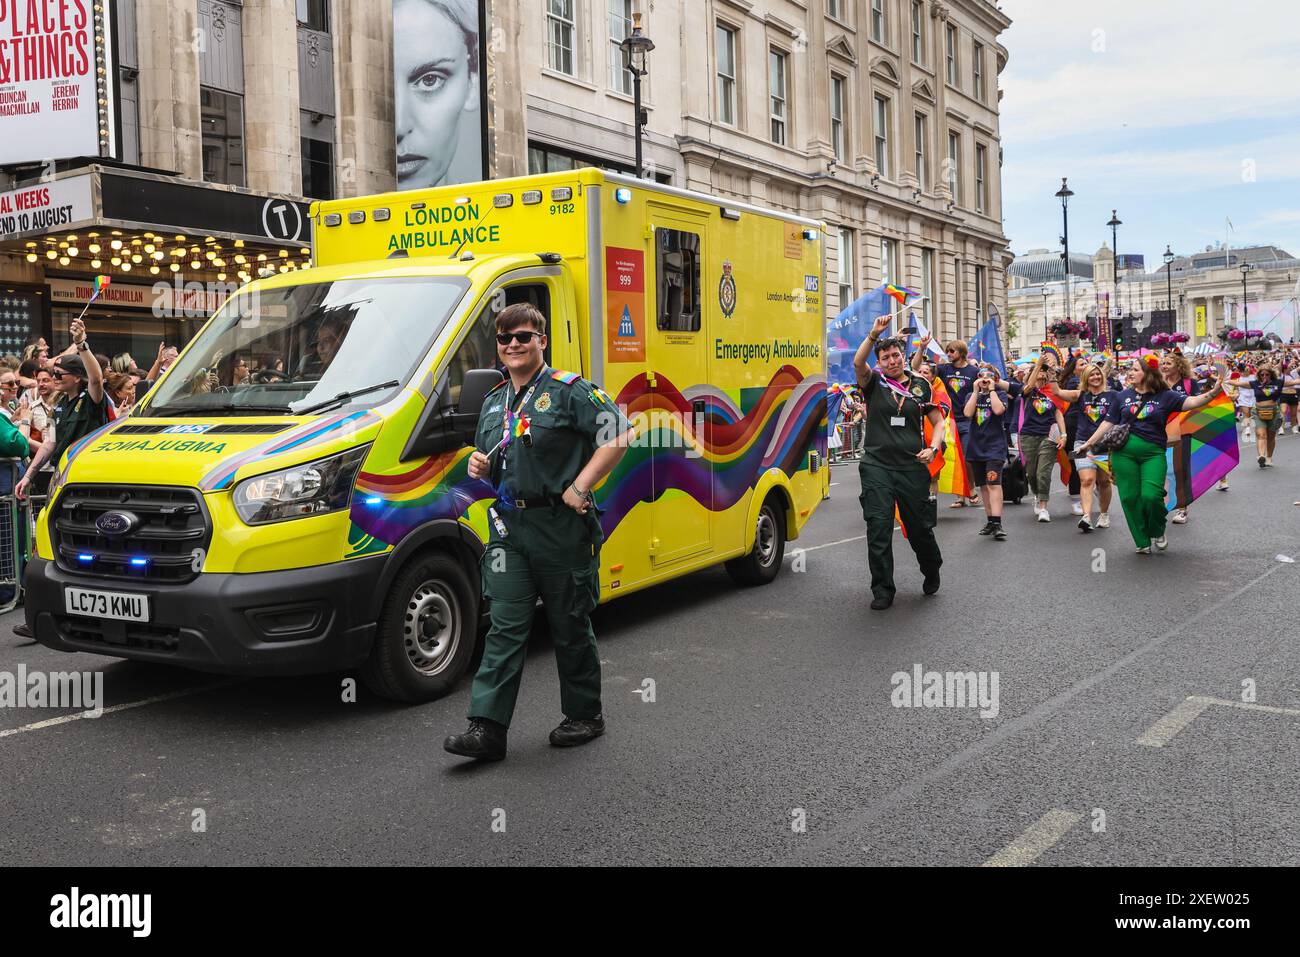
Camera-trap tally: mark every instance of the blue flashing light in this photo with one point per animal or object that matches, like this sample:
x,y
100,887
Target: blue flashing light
x,y
374,501
139,562
623,195
85,558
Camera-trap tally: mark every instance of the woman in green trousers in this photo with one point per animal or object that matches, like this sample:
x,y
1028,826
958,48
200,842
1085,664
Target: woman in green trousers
x,y
1140,463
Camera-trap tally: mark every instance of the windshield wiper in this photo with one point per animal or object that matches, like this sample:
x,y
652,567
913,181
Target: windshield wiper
x,y
181,410
345,396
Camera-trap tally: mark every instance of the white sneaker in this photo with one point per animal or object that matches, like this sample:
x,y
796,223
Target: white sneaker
x,y
1043,516
1161,543
1223,486
1144,551
1085,525
1103,520
1179,516
1268,462
1076,508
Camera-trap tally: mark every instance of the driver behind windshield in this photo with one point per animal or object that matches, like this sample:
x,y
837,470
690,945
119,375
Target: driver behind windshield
x,y
324,348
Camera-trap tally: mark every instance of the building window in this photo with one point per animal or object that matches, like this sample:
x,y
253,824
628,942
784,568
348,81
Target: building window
x,y
837,116
918,32
314,15
979,297
888,260
317,168
560,34
848,255
978,60
547,159
882,136
954,166
927,289
981,179
222,119
779,94
678,277
837,8
726,42
950,54
878,24
922,170
620,28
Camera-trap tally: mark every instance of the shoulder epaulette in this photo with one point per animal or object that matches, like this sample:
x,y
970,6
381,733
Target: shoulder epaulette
x,y
497,386
568,378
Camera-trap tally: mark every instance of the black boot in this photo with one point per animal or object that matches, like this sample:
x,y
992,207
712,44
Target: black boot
x,y
575,731
485,740
931,583
22,631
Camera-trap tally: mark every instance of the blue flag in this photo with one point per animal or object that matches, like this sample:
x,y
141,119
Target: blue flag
x,y
986,346
849,329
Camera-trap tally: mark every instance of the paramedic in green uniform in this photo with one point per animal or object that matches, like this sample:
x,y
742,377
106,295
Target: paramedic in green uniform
x,y
545,535
895,463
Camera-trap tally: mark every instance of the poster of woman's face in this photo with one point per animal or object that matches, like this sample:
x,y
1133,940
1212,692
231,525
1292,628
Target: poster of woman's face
x,y
437,88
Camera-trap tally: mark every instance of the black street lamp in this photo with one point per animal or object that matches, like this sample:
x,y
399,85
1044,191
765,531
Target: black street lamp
x,y
1169,277
1245,268
635,47
1114,224
1046,292
1064,193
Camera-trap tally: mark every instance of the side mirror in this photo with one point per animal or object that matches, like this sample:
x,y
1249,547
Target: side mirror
x,y
441,429
478,383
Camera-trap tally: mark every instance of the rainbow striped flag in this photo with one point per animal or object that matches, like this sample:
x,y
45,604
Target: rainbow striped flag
x,y
1202,449
952,473
900,293
101,282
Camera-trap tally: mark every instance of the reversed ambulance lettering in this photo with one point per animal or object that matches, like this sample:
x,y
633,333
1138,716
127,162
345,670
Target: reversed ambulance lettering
x,y
170,445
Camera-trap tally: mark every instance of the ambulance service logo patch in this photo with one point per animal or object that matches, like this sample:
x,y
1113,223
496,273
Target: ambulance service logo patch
x,y
727,290
543,402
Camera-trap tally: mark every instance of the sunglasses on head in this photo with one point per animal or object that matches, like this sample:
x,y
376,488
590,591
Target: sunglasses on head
x,y
523,337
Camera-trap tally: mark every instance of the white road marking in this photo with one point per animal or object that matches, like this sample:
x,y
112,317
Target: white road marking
x,y
1035,840
1163,731
126,706
842,541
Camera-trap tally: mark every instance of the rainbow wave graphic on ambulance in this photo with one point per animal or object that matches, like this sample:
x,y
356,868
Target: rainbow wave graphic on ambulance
x,y
784,422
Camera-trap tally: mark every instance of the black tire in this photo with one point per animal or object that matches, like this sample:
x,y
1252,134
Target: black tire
x,y
763,563
427,631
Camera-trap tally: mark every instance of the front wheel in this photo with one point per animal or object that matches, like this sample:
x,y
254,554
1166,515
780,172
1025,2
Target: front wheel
x,y
763,563
426,632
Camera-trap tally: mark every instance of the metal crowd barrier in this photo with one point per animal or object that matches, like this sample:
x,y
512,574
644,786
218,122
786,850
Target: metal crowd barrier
x,y
16,526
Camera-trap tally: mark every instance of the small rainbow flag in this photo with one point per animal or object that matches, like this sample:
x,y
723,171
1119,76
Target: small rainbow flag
x,y
101,283
1055,350
1202,449
900,293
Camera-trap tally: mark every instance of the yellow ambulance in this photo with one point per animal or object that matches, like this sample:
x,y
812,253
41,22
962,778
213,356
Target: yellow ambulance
x,y
293,497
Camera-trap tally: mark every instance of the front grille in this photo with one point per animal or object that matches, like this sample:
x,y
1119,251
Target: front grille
x,y
126,634
138,429
249,428
172,526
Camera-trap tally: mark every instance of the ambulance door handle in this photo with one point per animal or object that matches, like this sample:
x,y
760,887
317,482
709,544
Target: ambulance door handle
x,y
697,417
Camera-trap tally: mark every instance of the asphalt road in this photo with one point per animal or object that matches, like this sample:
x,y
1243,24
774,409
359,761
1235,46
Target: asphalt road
x,y
772,707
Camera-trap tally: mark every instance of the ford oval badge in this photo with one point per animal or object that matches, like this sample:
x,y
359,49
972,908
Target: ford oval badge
x,y
116,523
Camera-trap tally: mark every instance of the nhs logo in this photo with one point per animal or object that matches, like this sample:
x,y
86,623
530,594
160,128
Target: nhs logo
x,y
812,284
185,429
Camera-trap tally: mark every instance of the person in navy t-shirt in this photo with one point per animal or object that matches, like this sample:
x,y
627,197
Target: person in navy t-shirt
x,y
986,448
1094,401
1139,465
958,375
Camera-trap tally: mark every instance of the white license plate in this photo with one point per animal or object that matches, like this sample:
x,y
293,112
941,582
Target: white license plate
x,y
90,603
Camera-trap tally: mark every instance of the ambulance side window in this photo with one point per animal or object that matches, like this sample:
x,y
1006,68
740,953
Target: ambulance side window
x,y
479,348
677,269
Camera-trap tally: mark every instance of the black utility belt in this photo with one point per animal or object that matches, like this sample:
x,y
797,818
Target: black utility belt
x,y
542,501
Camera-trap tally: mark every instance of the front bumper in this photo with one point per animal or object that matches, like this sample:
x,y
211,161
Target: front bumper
x,y
302,621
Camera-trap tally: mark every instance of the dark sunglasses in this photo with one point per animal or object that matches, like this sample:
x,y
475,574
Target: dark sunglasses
x,y
523,338
57,375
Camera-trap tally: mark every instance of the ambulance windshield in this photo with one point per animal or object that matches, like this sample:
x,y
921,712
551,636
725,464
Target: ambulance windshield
x,y
292,349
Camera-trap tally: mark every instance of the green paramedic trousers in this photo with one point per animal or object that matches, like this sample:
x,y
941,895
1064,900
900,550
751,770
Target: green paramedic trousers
x,y
909,488
1140,469
552,553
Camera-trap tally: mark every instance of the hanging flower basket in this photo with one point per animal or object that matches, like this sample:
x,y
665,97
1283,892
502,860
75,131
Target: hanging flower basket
x,y
1236,336
1160,340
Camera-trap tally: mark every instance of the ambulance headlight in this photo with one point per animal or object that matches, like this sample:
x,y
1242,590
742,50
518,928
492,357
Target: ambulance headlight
x,y
312,488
